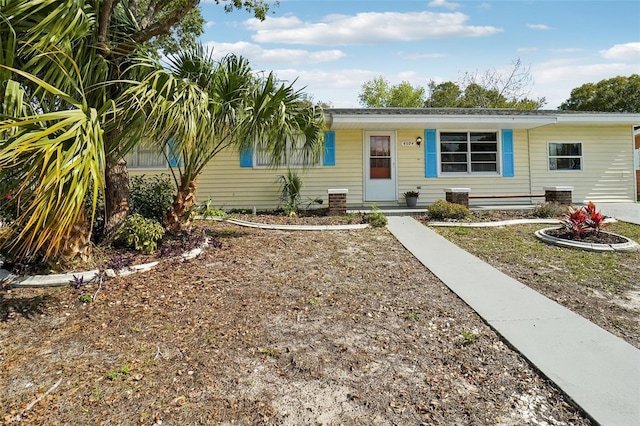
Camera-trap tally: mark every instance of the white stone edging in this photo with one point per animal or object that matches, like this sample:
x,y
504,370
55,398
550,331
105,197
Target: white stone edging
x,y
493,224
287,227
87,277
626,247
297,227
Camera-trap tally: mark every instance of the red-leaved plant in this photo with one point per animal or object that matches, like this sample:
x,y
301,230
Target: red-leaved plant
x,y
583,220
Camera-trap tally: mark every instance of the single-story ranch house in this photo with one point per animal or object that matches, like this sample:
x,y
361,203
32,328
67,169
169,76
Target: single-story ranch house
x,y
379,154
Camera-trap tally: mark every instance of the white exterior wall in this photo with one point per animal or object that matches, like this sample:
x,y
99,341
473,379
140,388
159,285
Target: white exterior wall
x,y
607,174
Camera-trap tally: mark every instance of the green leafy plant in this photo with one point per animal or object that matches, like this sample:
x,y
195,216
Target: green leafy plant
x,y
468,337
412,194
207,211
115,374
412,316
151,196
442,209
140,233
290,187
85,298
376,218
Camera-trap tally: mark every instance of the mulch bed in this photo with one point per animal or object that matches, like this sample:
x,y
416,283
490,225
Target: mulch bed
x,y
269,328
588,237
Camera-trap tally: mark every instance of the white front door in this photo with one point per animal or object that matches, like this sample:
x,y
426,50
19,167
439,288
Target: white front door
x,y
380,166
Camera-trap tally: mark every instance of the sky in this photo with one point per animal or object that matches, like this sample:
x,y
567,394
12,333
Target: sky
x,y
332,47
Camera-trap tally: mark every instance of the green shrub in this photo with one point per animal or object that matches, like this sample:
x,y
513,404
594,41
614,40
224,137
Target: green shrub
x,y
376,218
151,196
140,233
546,210
206,210
442,209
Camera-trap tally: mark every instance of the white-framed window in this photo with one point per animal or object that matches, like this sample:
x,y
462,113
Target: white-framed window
x,y
565,156
469,153
146,158
293,158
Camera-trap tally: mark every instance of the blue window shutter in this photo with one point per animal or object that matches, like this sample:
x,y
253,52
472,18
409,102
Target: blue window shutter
x,y
329,158
430,154
246,157
507,153
174,156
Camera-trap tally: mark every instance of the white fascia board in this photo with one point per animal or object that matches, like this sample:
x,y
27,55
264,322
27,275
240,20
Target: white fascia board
x,y
375,122
599,119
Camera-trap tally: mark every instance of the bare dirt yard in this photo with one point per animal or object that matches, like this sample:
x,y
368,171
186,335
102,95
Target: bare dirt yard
x,y
270,328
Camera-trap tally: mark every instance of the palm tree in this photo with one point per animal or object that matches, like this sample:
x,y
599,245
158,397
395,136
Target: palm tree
x,y
55,122
200,107
93,44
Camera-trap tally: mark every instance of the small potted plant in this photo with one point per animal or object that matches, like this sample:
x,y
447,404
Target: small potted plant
x,y
411,197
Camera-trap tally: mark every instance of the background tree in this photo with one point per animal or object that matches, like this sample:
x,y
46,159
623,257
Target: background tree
x,y
379,93
489,89
500,88
618,94
443,95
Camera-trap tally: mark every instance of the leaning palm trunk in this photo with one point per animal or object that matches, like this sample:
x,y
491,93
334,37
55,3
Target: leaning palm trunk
x,y
78,242
179,215
202,107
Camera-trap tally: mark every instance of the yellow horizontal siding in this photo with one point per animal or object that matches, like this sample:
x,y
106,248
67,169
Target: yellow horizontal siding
x,y
411,173
607,174
231,186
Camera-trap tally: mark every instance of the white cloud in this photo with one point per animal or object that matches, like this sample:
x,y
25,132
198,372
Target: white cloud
x,y
338,87
542,27
525,50
209,24
555,79
443,3
623,52
257,54
566,50
418,56
484,6
367,28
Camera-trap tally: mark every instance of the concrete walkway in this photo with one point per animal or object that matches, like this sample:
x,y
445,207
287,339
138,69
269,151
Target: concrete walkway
x,y
596,369
626,212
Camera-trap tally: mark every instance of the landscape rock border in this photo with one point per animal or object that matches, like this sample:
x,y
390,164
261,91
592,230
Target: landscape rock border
x,y
84,277
628,246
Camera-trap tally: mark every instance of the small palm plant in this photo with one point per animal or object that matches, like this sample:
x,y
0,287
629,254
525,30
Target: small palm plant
x,y
290,188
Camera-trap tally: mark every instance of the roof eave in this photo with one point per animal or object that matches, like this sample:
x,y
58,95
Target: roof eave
x,y
396,122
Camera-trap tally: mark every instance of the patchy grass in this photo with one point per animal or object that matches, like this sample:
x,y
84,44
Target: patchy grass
x,y
601,286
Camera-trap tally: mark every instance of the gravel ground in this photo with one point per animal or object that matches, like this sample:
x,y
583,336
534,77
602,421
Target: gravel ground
x,y
269,328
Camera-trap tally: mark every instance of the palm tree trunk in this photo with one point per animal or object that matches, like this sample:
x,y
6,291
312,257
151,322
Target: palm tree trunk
x,y
179,215
78,242
116,198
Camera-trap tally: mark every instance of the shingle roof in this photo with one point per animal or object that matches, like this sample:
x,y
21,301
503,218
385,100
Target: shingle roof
x,y
454,111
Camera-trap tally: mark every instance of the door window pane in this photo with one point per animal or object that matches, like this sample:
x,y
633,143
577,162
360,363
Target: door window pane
x,y
380,157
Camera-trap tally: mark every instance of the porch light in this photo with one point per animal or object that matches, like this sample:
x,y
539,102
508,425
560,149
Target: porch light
x,y
418,140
